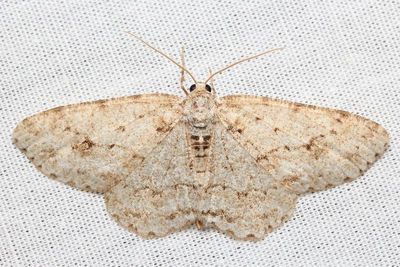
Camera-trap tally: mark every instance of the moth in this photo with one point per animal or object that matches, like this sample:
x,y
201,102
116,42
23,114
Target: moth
x,y
236,163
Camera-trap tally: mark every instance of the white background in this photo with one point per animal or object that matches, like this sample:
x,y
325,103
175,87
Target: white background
x,y
340,54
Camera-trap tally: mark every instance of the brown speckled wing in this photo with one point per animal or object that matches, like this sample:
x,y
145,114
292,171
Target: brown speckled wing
x,y
306,148
93,145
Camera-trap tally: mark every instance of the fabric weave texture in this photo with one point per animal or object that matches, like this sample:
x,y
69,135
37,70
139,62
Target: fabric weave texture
x,y
338,54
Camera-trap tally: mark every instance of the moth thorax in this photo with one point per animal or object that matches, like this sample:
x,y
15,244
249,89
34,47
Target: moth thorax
x,y
200,111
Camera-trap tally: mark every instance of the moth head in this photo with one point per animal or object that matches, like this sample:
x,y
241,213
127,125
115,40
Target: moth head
x,y
197,88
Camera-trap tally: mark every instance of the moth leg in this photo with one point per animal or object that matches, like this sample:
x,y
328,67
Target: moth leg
x,y
182,79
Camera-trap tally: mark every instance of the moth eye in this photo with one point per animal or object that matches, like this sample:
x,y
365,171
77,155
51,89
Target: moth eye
x,y
192,87
208,88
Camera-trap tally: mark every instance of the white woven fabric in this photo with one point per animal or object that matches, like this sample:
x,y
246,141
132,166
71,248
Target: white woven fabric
x,y
340,54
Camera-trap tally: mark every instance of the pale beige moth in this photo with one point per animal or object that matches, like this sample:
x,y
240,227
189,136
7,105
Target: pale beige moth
x,y
236,163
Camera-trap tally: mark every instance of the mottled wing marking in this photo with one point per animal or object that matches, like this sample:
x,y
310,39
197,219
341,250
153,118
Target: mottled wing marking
x,y
306,148
93,145
234,195
157,198
242,199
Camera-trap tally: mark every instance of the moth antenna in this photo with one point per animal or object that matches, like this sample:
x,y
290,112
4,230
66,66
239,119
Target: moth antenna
x,y
164,54
242,60
211,80
182,79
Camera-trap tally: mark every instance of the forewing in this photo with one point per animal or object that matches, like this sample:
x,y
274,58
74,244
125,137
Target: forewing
x,y
306,148
93,145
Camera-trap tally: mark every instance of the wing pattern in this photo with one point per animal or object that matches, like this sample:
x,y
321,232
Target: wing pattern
x,y
306,148
93,145
255,156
